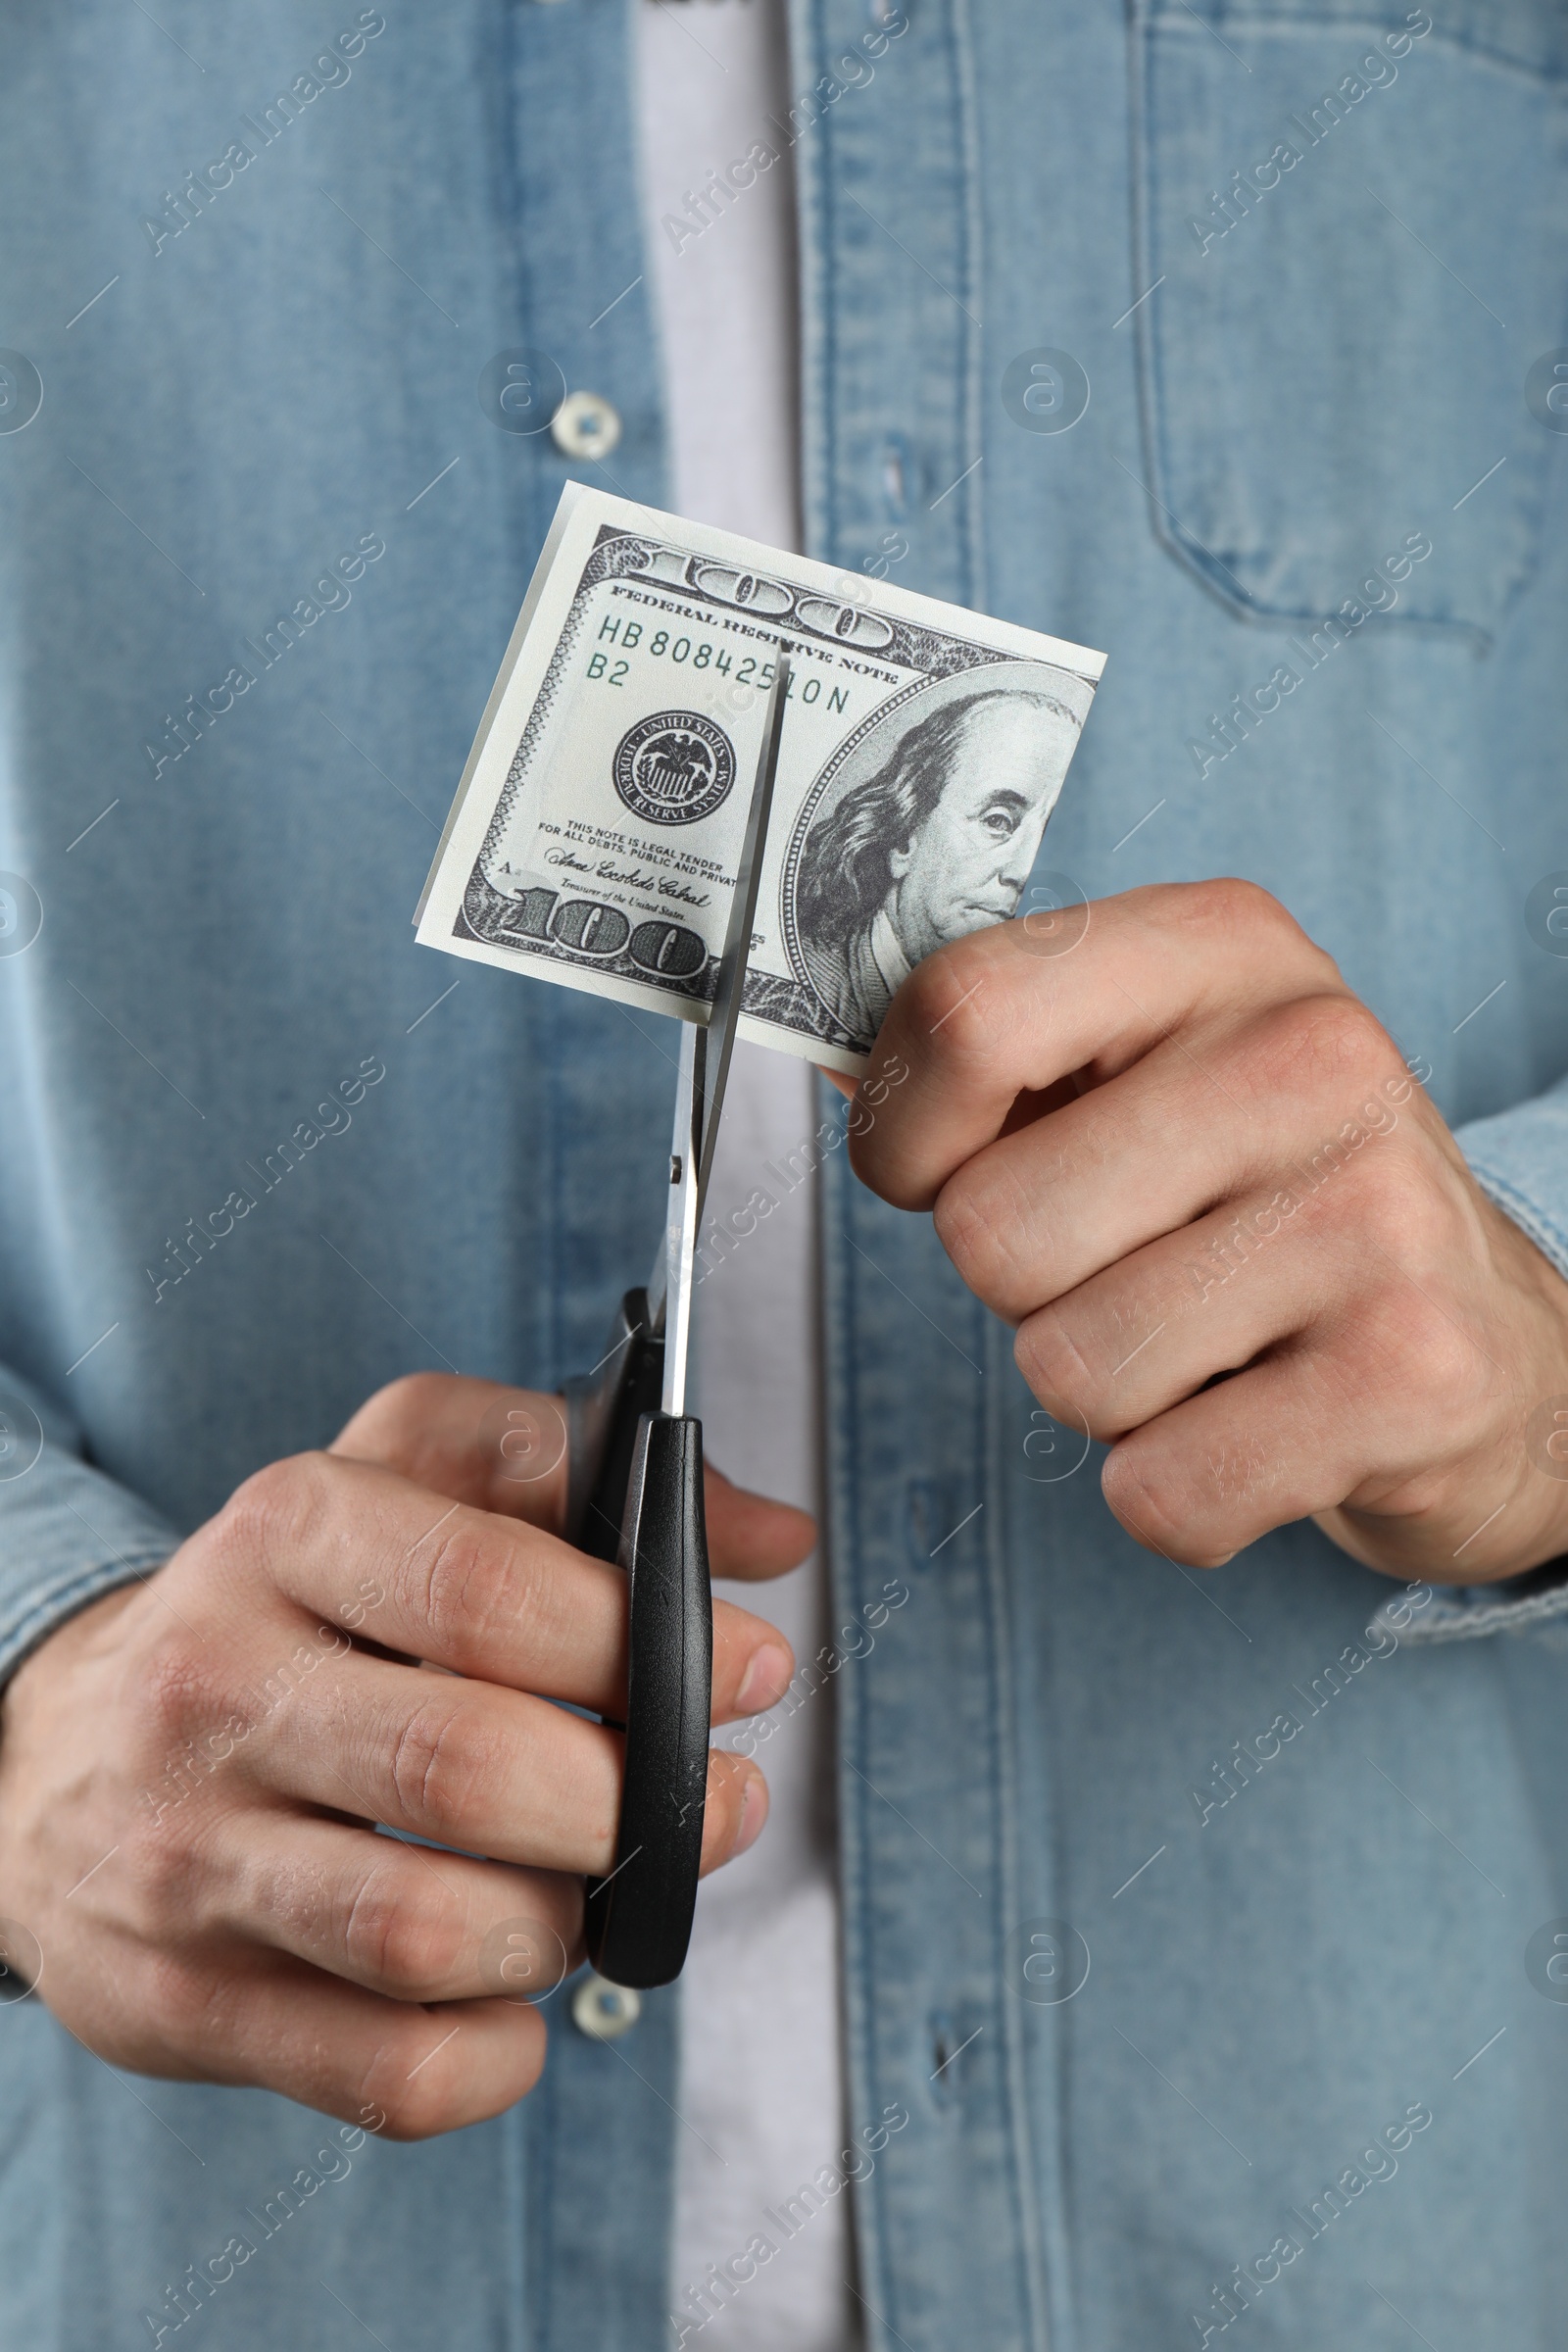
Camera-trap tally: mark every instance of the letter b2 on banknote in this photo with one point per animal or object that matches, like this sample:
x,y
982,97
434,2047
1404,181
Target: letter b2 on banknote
x,y
596,832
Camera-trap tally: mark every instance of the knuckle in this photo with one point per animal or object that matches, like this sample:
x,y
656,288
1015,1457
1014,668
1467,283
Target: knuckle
x,y
983,1220
1231,903
420,2111
1161,1499
396,1935
281,1503
1232,906
1144,1500
1324,1042
957,1001
417,2090
163,1867
403,1408
1052,1361
443,1754
179,2002
1430,1357
1342,1032
1403,1212
412,1395
172,1692
476,1581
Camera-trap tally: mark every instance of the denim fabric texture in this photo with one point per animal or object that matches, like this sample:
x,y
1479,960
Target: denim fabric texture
x,y
1287,1958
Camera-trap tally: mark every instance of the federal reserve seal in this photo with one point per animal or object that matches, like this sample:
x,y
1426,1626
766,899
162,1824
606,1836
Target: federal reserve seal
x,y
674,767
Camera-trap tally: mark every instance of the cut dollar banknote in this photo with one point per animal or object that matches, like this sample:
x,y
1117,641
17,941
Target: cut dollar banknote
x,y
596,832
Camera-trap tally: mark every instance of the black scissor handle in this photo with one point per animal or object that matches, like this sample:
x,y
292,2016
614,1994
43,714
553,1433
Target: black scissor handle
x,y
639,1918
639,1471
603,1413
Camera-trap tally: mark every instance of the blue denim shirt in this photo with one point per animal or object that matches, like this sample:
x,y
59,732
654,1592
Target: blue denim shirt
x,y
1304,252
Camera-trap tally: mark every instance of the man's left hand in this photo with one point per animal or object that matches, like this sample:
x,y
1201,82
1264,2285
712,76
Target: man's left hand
x,y
1238,1242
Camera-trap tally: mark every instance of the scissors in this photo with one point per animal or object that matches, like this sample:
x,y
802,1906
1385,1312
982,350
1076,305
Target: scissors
x,y
635,1491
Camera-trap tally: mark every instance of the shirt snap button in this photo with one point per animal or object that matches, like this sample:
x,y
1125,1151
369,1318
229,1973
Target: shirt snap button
x,y
585,426
605,2011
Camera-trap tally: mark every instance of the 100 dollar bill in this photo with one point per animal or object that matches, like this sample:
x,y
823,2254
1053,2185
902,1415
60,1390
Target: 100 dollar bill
x,y
595,835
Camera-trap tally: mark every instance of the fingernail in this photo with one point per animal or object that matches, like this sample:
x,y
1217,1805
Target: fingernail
x,y
754,1812
765,1680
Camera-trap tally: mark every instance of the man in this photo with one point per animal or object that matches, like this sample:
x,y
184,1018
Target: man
x,y
937,843
1193,1927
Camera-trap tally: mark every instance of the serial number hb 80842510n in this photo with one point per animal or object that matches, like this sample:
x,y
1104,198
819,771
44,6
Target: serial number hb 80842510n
x,y
702,653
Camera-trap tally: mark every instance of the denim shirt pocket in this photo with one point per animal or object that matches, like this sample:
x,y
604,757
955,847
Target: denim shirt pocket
x,y
1355,224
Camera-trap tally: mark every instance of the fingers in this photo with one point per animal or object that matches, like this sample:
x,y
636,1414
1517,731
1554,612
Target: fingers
x,y
462,1586
1343,1364
1216,1473
1382,1397
1136,1339
401,2069
1043,1209
496,1773
990,1018
396,1919
466,1589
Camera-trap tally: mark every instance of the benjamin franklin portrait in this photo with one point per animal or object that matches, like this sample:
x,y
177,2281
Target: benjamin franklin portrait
x,y
937,840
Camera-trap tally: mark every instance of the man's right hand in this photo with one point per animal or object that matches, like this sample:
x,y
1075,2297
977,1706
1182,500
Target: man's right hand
x,y
192,1768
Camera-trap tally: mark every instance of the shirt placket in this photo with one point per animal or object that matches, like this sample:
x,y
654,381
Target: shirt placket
x,y
892,361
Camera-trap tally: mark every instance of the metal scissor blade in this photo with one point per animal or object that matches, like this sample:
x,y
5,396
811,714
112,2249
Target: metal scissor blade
x,y
678,1258
731,984
706,1053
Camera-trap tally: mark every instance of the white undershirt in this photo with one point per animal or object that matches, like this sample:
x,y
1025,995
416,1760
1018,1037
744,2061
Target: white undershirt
x,y
760,2096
